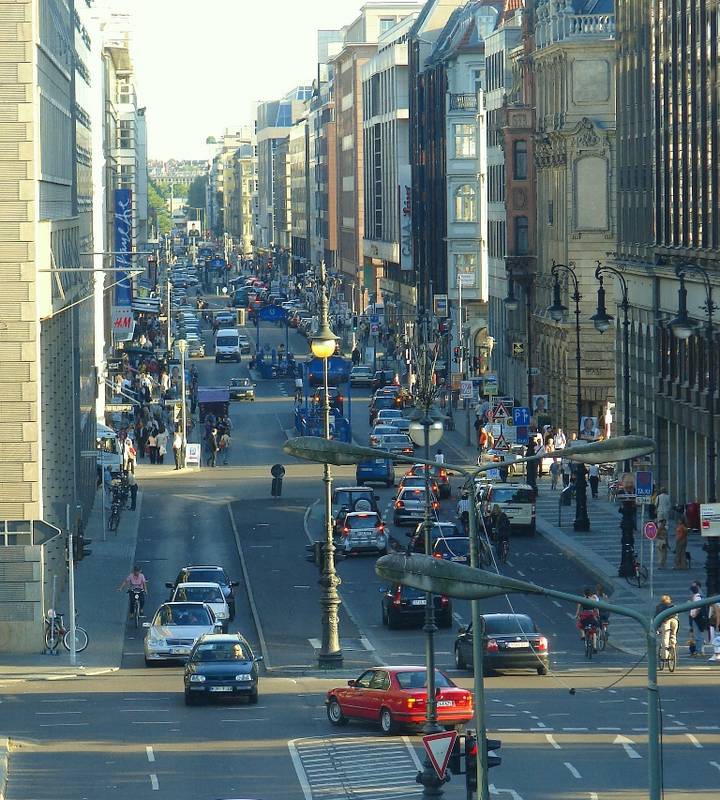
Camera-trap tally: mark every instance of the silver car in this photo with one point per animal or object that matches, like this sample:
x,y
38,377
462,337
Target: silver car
x,y
409,505
397,443
174,630
363,531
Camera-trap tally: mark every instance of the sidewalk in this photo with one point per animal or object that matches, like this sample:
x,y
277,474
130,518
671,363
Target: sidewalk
x,y
100,609
598,551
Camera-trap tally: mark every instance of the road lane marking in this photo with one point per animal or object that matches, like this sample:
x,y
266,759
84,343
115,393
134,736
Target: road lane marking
x,y
513,794
63,724
715,764
572,770
154,782
551,741
559,605
152,722
694,740
245,719
150,754
55,713
627,746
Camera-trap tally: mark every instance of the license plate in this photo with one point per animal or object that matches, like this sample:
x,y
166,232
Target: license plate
x,y
517,644
419,602
445,703
221,688
179,651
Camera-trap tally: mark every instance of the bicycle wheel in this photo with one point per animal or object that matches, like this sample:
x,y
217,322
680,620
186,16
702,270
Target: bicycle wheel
x,y
114,519
661,658
602,638
52,637
588,647
672,658
504,551
81,639
136,614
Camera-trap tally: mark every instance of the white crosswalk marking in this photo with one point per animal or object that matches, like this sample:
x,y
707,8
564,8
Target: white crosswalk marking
x,y
342,767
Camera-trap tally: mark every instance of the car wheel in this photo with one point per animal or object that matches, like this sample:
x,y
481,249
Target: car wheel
x,y
335,713
359,483
532,529
190,700
542,670
392,622
149,663
389,483
459,659
385,618
253,698
387,723
217,360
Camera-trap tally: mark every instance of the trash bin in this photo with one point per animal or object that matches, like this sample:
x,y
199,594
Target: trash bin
x,y
277,471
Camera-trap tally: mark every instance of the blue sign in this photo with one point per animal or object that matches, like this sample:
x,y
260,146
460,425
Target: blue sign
x,y
521,415
522,434
123,246
217,263
374,319
643,484
272,314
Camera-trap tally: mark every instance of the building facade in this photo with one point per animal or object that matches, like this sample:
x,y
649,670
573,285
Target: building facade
x,y
300,196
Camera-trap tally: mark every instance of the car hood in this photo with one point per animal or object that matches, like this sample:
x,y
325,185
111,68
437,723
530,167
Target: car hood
x,y
221,667
179,631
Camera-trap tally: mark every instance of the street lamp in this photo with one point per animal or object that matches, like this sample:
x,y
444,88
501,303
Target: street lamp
x,y
323,346
602,321
182,347
457,580
557,312
512,304
683,328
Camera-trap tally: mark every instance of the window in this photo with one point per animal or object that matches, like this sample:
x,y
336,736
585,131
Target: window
x,y
386,23
520,160
466,204
521,236
466,269
477,76
464,140
551,212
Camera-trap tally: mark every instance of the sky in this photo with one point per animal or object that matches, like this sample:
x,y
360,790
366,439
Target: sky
x,y
202,65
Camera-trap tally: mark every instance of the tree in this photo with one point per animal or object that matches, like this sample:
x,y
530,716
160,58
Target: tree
x,y
158,208
196,192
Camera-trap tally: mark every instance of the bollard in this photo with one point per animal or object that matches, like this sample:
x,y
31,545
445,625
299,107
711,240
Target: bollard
x,y
277,471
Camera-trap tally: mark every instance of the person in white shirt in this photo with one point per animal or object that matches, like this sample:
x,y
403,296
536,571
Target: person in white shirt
x,y
594,478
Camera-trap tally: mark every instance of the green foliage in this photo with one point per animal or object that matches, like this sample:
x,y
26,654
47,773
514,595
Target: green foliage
x,y
179,189
158,206
196,192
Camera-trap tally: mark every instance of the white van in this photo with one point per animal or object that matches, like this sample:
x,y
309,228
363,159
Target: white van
x,y
108,450
517,500
227,345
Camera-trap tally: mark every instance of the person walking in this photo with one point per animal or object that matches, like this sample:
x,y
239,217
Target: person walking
x,y
554,473
355,356
661,543
698,620
565,472
225,446
177,448
594,478
132,484
439,456
162,443
152,446
681,536
213,447
663,506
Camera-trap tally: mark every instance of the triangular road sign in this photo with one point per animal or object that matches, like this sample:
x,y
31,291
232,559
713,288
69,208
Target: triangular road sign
x,y
500,412
501,443
438,746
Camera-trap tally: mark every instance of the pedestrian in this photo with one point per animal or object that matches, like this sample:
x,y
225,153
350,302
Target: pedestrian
x,y
681,536
554,473
663,506
482,437
439,456
107,489
132,483
698,620
714,626
177,448
162,443
594,478
152,446
355,356
661,543
559,439
213,446
225,446
531,467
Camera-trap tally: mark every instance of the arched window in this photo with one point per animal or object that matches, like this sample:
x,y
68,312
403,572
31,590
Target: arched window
x,y
466,204
521,236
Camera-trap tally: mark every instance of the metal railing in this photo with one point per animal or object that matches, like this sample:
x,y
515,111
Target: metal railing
x,y
463,102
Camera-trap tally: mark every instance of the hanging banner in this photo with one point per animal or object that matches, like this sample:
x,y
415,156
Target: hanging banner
x,y
405,206
123,246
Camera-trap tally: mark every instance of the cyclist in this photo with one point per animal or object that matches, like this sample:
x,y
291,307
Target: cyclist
x,y
668,629
501,528
604,616
587,618
298,391
135,580
463,511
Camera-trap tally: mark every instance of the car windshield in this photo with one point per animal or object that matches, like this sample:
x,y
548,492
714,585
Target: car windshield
x,y
182,615
452,547
514,495
509,624
390,413
203,576
362,521
384,402
419,469
416,679
200,594
227,341
447,531
239,382
400,424
221,651
345,498
413,494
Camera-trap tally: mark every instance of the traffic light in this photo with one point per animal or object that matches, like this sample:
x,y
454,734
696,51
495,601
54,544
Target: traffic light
x,y
354,322
471,762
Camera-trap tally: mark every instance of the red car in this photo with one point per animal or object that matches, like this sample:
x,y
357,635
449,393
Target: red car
x,y
396,696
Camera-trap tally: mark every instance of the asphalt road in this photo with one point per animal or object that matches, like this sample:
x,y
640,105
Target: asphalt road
x,y
130,734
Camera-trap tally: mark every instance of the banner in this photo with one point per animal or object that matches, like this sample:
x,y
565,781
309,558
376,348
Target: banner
x,y
405,206
123,246
123,324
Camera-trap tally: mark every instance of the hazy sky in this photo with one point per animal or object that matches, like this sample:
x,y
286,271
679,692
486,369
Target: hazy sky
x,y
202,65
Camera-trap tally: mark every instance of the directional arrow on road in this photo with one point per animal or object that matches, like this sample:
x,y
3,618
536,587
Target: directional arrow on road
x,y
627,746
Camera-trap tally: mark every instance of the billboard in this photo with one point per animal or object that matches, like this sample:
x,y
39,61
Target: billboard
x,y
123,246
405,205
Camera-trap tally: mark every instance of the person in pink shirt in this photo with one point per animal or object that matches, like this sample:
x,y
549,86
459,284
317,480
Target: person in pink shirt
x,y
135,580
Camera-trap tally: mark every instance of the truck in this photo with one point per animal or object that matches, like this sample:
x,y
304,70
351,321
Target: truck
x,y
213,400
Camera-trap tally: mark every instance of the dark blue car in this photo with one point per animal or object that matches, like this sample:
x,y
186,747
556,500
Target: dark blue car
x,y
375,470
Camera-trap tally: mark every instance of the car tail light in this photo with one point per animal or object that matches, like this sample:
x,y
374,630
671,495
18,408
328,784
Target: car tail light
x,y
381,527
410,702
492,646
437,555
541,644
443,600
399,504
339,398
345,531
397,600
443,473
435,504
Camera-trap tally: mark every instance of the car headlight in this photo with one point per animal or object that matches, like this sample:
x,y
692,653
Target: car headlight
x,y
246,676
197,679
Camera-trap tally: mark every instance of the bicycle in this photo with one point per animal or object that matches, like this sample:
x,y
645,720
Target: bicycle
x,y
503,550
135,605
667,656
115,508
55,632
603,636
590,637
639,575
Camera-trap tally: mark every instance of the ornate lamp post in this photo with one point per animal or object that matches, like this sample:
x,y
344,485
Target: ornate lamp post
x,y
323,346
683,328
603,321
182,347
557,312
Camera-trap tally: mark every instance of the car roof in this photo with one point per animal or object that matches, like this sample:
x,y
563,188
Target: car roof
x,y
353,488
224,637
183,603
510,486
198,584
202,566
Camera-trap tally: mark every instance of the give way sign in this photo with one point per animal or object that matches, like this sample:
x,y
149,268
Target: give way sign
x,y
438,746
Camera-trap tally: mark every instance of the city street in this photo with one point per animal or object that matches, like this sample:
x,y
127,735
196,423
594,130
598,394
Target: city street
x,y
129,733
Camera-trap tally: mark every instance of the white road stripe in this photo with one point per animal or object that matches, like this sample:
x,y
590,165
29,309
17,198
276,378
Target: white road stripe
x,y
154,782
551,741
694,740
150,754
715,764
572,770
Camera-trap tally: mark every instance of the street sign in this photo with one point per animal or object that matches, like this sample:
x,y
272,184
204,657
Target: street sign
x,y
490,383
534,371
466,390
122,323
650,530
710,519
521,415
440,306
522,434
192,454
114,365
374,328
500,413
120,408
438,746
643,486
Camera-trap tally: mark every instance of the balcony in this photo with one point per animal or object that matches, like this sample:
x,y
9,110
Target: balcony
x,y
556,26
463,102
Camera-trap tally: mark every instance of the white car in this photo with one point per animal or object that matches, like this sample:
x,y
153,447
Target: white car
x,y
209,593
175,629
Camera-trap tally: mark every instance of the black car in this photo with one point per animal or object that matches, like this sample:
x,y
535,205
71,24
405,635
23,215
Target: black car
x,y
440,530
382,377
241,389
207,574
221,665
405,605
335,395
512,641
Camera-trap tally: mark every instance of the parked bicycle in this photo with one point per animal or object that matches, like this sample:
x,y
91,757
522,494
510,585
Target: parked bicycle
x,y
639,575
603,635
56,632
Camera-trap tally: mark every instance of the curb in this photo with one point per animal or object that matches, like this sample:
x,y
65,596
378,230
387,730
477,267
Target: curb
x,y
249,592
